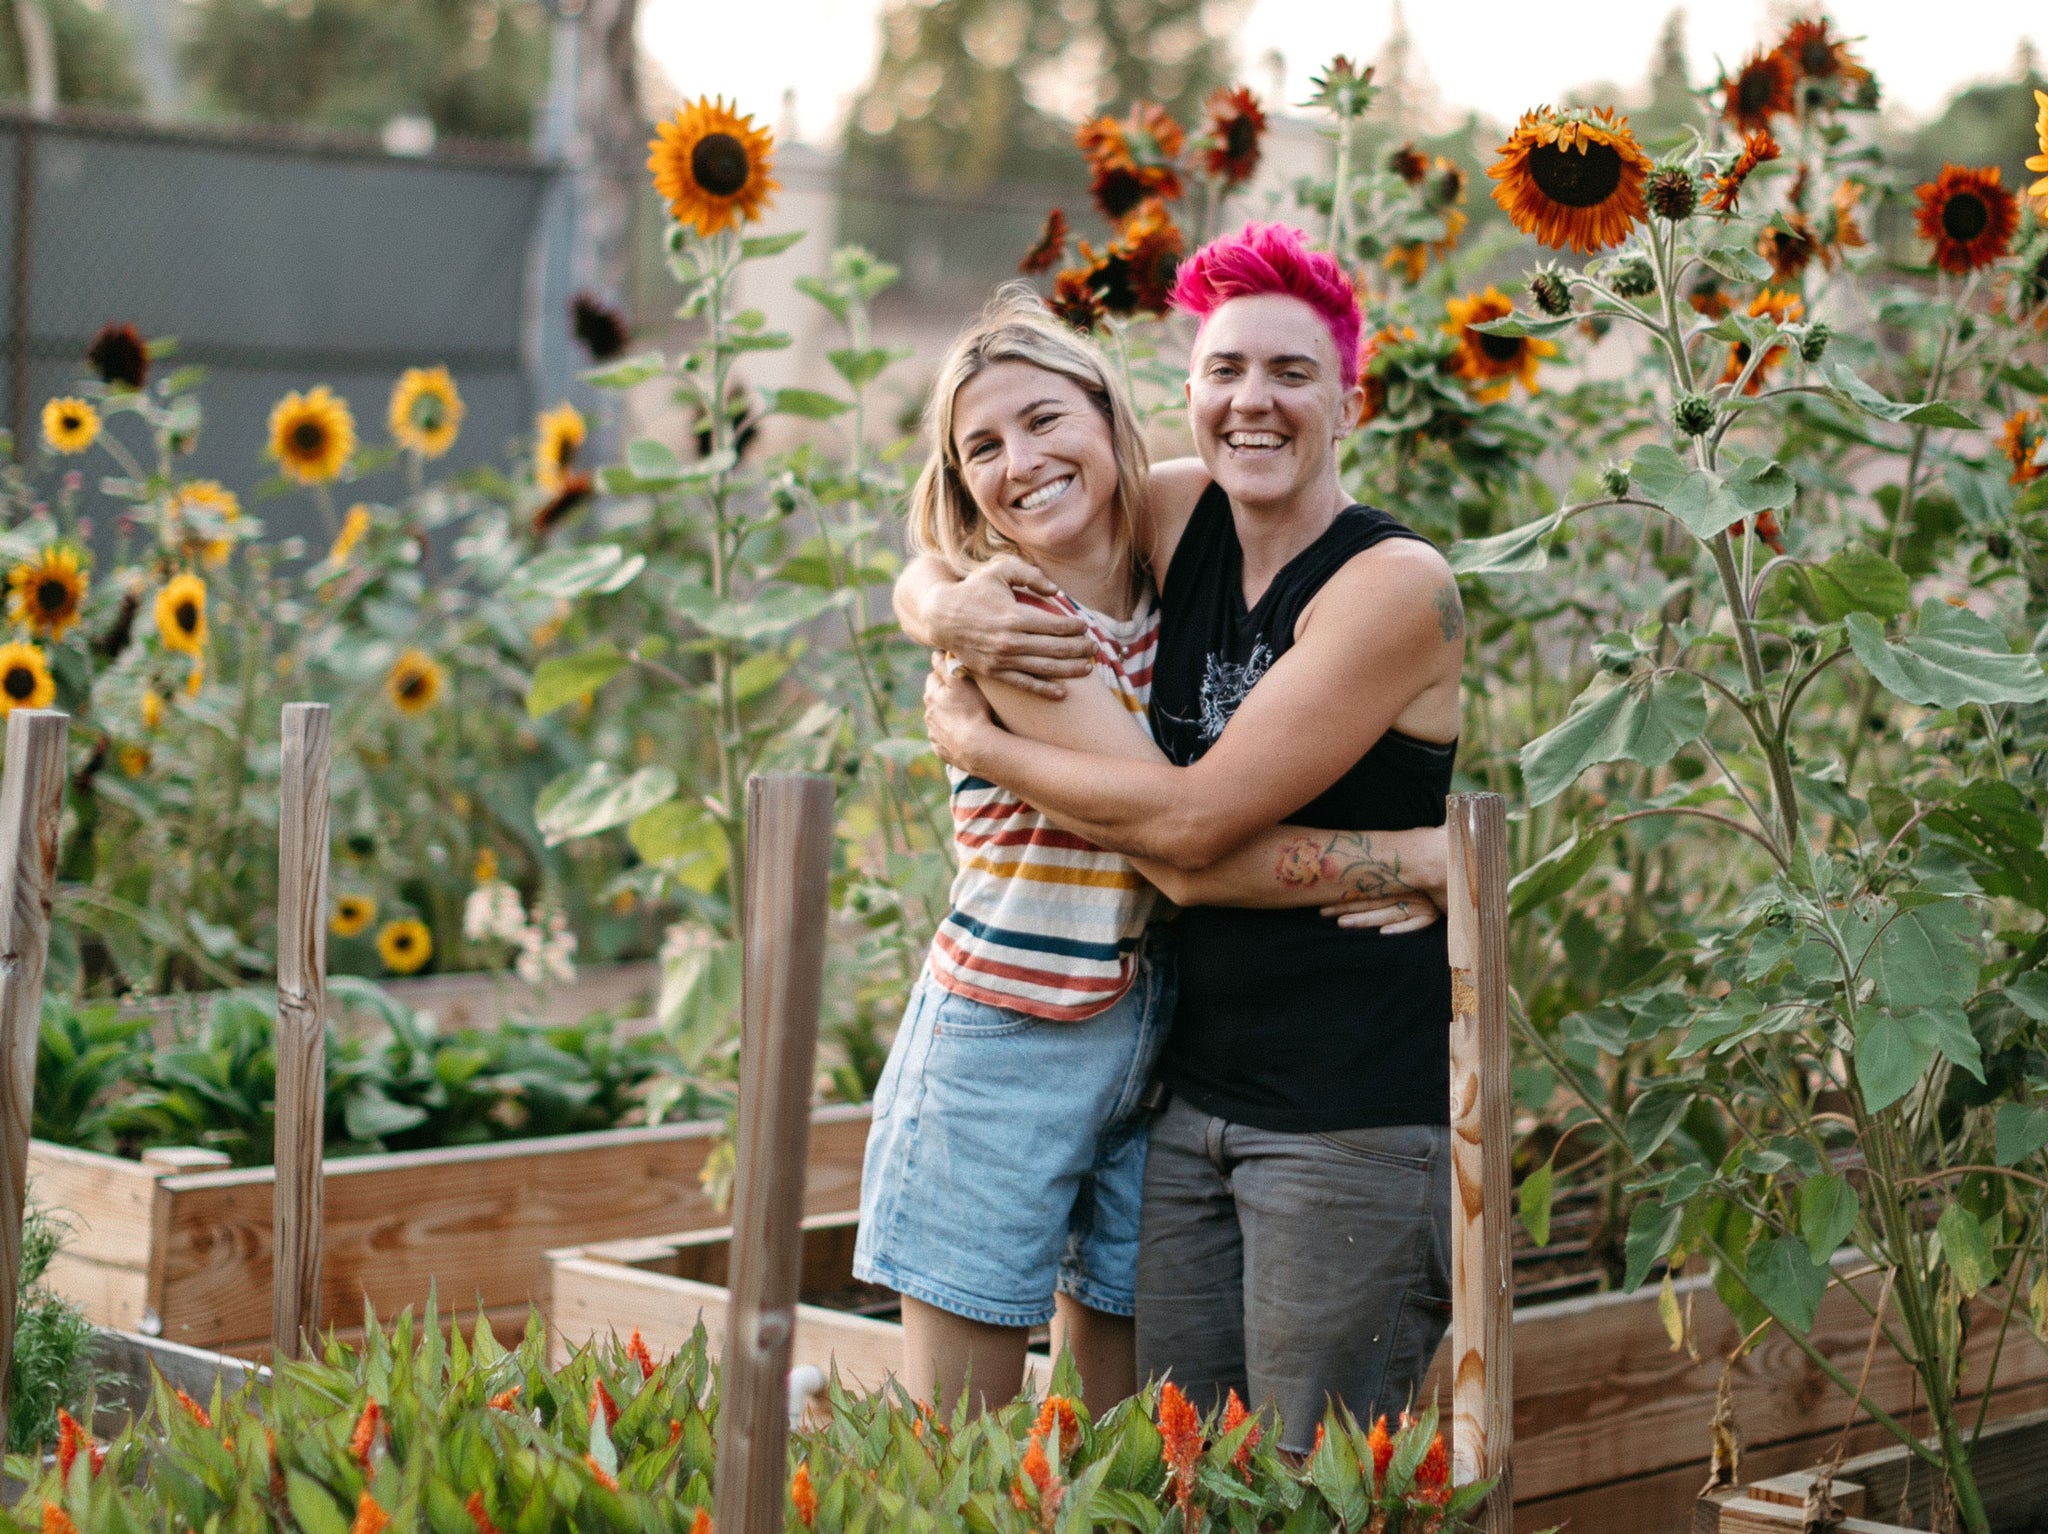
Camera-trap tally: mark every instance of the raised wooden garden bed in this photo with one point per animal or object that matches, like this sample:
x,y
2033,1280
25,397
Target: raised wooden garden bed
x,y
1611,1428
159,1248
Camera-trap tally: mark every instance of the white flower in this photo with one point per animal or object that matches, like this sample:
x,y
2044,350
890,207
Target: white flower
x,y
493,910
550,954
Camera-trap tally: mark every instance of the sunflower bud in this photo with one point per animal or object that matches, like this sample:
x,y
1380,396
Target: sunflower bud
x,y
1693,414
1671,193
1632,276
1548,289
1614,478
1814,344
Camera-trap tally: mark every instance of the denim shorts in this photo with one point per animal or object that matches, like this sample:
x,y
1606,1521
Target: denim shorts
x,y
1006,1161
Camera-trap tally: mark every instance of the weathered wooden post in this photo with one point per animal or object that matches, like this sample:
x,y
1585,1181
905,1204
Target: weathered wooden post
x,y
295,1216
1482,1270
31,803
789,861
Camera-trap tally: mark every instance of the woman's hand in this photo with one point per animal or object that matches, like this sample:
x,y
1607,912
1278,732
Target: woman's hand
x,y
981,622
956,715
1389,915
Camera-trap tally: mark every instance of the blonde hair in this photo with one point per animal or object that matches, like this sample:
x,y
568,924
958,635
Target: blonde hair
x,y
945,522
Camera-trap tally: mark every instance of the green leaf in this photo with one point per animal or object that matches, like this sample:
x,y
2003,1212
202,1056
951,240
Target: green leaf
x,y
1738,263
807,403
1643,720
1846,388
565,678
314,1510
1953,659
1828,1207
1534,1197
1515,552
595,798
1652,1230
1526,325
1968,1252
1699,499
1857,579
601,568
769,611
2029,992
1652,1117
1785,1278
627,372
1890,1055
1926,956
862,365
758,245
684,842
1555,873
1760,484
2021,1132
835,303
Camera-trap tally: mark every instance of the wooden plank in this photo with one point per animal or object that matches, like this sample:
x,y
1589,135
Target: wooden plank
x,y
301,1107
104,1201
1482,1257
31,803
825,1263
2008,1464
1792,1490
478,1218
788,879
1752,1515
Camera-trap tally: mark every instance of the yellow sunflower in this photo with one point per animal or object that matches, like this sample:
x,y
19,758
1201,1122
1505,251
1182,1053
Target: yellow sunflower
x,y
405,946
312,435
195,681
414,682
426,411
712,165
47,594
353,527
1491,364
134,760
1573,178
560,433
181,614
70,425
211,497
352,915
486,869
25,680
152,708
2039,190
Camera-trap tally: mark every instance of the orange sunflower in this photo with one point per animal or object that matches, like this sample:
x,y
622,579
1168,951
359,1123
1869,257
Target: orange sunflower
x,y
1236,124
1133,161
1762,88
712,166
2021,443
1757,148
1969,215
1573,178
1823,60
1049,249
2039,190
1779,309
1789,248
1489,364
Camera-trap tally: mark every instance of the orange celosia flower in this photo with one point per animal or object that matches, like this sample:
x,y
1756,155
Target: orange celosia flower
x,y
700,1522
605,1478
637,1351
370,1518
601,1401
1381,1443
675,1430
1434,1473
277,1481
57,1521
1038,1471
364,1439
194,1410
1234,1417
1319,1439
1726,193
504,1400
69,1436
2020,441
1180,1429
1058,1411
803,1494
475,1508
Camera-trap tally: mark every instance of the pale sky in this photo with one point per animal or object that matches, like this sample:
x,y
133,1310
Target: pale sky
x,y
1500,56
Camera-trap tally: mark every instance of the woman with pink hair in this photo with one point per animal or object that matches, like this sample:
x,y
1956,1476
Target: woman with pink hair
x,y
1295,1243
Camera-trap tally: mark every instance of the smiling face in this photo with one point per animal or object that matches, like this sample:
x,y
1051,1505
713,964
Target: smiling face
x,y
1035,453
1267,403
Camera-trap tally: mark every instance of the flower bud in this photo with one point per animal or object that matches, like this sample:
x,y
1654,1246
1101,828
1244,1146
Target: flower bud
x,y
1548,289
1632,276
1693,414
1614,478
1671,193
1814,344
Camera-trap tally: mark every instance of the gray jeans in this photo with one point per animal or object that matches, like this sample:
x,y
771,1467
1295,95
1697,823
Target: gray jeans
x,y
1294,1268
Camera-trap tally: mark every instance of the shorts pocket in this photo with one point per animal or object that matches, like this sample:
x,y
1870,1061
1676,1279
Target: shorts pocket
x,y
1406,1147
962,1016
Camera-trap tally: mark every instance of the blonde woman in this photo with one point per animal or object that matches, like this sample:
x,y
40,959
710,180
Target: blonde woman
x,y
1005,1166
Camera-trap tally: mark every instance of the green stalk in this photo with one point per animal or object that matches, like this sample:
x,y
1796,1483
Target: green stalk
x,y
732,817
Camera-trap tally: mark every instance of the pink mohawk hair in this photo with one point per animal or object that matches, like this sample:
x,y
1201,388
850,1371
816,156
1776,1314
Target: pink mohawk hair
x,y
1273,258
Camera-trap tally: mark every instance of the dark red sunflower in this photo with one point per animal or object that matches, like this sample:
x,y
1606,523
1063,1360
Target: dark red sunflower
x,y
1151,245
1234,130
120,356
600,327
1757,148
1762,89
1968,215
1409,163
1049,249
1790,248
1075,301
1132,160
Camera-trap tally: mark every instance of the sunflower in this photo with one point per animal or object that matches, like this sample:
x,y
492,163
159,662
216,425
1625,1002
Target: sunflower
x,y
47,594
120,356
1779,309
1409,163
353,527
352,914
134,760
1833,76
414,682
1968,215
195,679
405,946
426,412
1235,126
1132,161
600,327
486,868
213,498
1757,147
2039,190
573,490
1151,247
181,614
2021,441
1840,230
1572,178
70,425
1764,87
1074,300
1491,364
312,435
560,433
25,680
1049,249
152,708
712,165
1790,247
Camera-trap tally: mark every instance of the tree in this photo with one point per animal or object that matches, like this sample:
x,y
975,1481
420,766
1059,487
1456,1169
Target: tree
x,y
94,59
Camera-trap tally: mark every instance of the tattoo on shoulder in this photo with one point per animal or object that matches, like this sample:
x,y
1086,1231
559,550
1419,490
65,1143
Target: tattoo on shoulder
x,y
1450,613
1343,860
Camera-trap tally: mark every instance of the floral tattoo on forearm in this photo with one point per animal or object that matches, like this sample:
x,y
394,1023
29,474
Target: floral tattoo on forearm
x,y
1346,862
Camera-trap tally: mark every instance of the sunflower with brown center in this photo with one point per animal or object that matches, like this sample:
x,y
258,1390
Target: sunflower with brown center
x,y
558,436
574,491
1132,161
352,915
712,166
426,411
181,614
1049,249
1074,300
1152,245
47,594
25,680
1757,148
1572,178
2021,442
1969,215
1233,132
120,356
1491,364
1764,87
1778,309
414,682
1409,163
70,425
405,946
312,435
210,498
600,327
1790,247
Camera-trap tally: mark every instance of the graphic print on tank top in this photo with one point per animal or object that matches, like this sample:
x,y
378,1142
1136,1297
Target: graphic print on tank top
x,y
1224,684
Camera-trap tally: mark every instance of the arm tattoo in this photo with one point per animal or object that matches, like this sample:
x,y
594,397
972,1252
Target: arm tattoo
x,y
1450,613
1345,862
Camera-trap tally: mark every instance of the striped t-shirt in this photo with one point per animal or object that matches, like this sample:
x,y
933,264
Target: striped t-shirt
x,y
1045,922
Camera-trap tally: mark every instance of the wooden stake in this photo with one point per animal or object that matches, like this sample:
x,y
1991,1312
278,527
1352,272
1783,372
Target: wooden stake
x,y
789,862
295,1211
31,804
1482,1274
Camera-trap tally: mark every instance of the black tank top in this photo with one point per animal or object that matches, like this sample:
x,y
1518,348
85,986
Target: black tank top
x,y
1287,1021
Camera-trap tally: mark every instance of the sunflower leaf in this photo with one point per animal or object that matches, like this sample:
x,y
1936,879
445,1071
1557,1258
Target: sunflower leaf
x,y
595,798
807,403
627,372
1699,499
1645,720
1738,263
1844,387
756,246
1525,326
1514,552
563,679
1954,658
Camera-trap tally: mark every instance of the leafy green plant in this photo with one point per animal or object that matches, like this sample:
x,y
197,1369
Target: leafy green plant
x,y
52,1368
